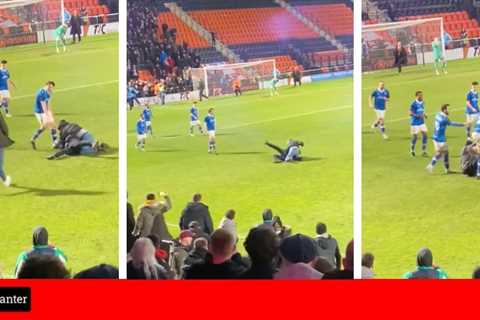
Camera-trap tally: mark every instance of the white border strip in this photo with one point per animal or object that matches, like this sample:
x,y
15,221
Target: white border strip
x,y
357,139
122,140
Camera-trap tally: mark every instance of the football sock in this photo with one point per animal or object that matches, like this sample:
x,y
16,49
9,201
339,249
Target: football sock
x,y
447,161
414,142
435,159
37,134
53,135
424,143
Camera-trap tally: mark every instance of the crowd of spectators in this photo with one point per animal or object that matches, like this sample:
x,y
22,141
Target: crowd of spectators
x,y
203,251
154,48
46,261
425,267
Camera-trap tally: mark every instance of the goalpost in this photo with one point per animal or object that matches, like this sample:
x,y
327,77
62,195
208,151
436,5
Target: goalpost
x,y
379,42
220,79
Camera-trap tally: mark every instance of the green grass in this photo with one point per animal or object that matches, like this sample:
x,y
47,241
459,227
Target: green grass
x,y
76,199
243,176
404,207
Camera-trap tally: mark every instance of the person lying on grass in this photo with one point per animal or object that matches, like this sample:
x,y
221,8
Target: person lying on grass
x,y
289,154
75,140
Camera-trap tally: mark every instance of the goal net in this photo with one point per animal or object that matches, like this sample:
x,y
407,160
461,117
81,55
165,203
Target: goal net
x,y
416,36
221,79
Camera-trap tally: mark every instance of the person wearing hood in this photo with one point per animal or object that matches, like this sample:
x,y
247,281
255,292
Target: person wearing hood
x,y
197,211
40,247
75,140
328,246
151,218
425,267
5,142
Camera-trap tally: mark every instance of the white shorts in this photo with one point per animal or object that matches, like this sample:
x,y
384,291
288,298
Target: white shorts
x,y
195,123
476,136
211,133
39,117
380,113
419,128
472,118
141,137
440,146
148,123
5,94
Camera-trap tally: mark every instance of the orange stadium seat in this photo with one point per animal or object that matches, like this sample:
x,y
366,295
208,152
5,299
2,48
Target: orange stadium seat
x,y
336,19
239,26
184,32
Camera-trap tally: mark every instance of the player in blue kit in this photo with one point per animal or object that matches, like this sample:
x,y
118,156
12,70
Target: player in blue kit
x,y
141,129
43,113
132,94
476,132
417,123
210,124
440,140
148,115
195,119
472,110
5,83
378,101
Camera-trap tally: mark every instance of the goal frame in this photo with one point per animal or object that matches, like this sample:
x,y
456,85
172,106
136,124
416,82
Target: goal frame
x,y
228,66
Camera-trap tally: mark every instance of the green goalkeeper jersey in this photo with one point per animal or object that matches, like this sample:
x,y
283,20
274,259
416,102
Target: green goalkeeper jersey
x,y
437,50
60,31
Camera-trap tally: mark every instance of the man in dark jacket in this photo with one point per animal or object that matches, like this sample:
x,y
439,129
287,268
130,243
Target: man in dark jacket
x,y
5,142
347,272
75,140
290,153
220,262
400,55
76,27
197,254
470,159
130,227
197,211
262,245
328,246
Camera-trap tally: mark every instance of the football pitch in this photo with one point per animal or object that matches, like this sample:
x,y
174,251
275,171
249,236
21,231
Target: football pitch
x,y
243,176
76,199
406,208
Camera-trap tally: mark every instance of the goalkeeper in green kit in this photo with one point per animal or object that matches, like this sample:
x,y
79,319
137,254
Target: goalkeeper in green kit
x,y
438,58
60,37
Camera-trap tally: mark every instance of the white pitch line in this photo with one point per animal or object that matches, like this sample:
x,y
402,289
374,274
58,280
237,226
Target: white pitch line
x,y
277,119
69,54
69,89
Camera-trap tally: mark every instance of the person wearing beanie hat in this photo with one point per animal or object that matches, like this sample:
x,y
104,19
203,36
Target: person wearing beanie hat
x,y
298,253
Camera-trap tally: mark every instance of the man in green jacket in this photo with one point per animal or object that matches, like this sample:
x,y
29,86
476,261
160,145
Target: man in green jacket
x,y
40,247
5,142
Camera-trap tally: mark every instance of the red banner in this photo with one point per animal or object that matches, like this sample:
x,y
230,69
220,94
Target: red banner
x,y
368,299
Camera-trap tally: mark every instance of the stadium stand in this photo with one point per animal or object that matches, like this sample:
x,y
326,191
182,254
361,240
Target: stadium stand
x,y
272,250
253,30
457,17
